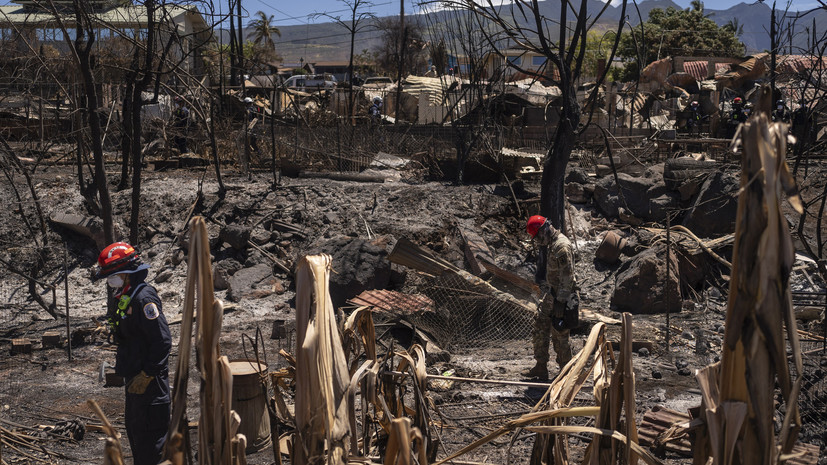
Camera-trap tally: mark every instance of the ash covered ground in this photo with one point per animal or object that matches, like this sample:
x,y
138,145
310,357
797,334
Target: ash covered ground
x,y
358,223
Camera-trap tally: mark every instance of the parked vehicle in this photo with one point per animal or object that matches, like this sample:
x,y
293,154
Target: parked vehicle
x,y
311,81
377,82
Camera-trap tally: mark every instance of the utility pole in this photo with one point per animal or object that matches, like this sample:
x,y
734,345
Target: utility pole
x,y
240,43
402,40
233,54
773,51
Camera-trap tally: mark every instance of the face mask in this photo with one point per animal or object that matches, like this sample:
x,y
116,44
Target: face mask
x,y
115,281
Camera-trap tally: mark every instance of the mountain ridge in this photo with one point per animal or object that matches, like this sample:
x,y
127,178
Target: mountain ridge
x,y
330,41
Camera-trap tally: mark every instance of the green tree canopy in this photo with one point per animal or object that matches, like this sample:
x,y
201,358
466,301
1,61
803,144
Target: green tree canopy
x,y
262,35
676,32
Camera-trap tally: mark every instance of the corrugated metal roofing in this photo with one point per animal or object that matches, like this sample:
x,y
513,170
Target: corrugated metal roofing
x,y
656,422
435,87
794,64
697,69
125,16
721,67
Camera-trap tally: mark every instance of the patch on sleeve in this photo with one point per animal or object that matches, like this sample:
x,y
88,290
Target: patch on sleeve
x,y
151,311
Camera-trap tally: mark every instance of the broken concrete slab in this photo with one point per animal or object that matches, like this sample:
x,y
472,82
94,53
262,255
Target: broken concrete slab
x,y
713,212
577,193
358,265
236,236
665,204
634,189
640,286
253,283
88,226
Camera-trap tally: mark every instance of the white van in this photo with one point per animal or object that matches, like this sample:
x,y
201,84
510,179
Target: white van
x,y
311,81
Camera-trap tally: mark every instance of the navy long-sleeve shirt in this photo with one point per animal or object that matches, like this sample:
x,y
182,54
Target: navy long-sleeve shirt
x,y
145,343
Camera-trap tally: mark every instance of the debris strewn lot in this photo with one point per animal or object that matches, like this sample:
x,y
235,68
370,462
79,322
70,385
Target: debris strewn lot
x,y
259,233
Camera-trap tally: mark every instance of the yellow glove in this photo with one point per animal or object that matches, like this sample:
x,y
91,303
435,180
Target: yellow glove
x,y
139,383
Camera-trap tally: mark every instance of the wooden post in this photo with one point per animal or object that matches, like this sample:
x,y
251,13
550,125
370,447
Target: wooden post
x,y
66,287
666,283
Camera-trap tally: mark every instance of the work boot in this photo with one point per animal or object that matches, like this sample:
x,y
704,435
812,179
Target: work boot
x,y
540,371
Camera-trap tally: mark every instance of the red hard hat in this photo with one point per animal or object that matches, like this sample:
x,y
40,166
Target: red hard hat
x,y
119,257
737,100
534,224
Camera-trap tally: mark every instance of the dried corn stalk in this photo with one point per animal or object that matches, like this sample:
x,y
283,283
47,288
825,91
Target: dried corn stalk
x,y
614,397
414,362
321,373
218,424
113,455
738,395
561,394
199,279
403,436
360,339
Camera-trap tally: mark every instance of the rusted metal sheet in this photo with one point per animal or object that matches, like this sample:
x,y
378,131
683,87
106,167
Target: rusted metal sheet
x,y
655,424
393,302
810,454
655,433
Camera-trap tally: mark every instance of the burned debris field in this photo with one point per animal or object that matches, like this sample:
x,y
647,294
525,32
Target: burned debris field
x,y
471,337
482,241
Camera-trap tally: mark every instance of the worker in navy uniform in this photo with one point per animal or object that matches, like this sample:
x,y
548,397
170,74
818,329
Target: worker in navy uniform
x,y
142,334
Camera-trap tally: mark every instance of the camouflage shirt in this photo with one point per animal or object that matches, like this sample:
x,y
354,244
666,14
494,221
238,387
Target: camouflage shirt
x,y
560,268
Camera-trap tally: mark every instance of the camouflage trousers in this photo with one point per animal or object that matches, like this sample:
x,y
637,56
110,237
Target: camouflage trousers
x,y
540,336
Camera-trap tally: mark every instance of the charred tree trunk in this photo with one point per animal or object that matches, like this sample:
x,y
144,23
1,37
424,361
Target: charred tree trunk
x,y
135,152
128,132
222,191
552,195
83,47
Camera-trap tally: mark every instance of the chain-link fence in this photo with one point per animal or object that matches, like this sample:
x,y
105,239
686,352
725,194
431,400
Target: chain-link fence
x,y
465,314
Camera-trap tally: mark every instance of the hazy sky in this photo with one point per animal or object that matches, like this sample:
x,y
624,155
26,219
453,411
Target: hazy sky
x,y
299,12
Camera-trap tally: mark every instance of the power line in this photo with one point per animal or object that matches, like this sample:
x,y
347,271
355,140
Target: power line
x,y
343,34
287,17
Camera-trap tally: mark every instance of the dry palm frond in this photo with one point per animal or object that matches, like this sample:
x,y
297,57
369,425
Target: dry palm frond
x,y
738,395
321,373
216,432
565,430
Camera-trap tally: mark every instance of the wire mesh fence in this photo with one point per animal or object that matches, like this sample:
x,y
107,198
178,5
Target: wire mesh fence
x,y
465,314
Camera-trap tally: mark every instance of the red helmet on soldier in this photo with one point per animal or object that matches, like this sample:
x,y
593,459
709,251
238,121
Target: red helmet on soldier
x,y
534,224
119,257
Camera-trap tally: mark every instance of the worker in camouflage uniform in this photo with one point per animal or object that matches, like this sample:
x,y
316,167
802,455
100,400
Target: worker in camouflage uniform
x,y
558,312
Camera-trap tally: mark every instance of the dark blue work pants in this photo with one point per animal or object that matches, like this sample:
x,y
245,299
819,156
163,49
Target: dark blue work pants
x,y
146,427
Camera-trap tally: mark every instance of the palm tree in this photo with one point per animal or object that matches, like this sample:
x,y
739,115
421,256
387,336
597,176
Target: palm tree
x,y
734,26
263,30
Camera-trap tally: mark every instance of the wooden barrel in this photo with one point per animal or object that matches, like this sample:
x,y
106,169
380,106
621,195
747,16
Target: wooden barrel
x,y
250,402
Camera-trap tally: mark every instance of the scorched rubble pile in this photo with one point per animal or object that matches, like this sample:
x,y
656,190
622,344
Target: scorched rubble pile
x,y
258,235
